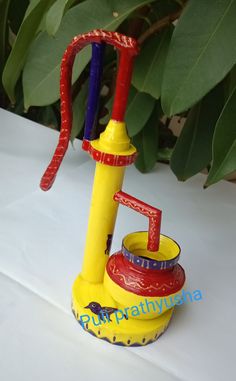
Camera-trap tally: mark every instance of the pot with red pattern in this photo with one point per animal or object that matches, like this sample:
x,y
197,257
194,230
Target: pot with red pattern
x,y
145,272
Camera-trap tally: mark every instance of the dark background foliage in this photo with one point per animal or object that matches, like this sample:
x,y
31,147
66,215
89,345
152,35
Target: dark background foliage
x,y
185,70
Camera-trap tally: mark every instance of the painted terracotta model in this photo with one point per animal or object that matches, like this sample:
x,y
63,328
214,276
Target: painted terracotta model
x,y
108,293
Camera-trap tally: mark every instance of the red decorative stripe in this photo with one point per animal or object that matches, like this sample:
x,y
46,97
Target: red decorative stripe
x,y
144,282
85,144
109,158
149,211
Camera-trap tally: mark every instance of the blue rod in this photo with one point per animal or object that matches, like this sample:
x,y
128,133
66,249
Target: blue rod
x,y
94,88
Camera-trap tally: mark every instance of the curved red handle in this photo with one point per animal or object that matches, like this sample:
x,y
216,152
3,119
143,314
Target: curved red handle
x,y
128,48
149,211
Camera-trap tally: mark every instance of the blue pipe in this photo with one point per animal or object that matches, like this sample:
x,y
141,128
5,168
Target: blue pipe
x,y
94,88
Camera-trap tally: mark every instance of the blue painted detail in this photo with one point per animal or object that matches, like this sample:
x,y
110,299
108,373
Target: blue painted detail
x,y
94,88
149,263
119,343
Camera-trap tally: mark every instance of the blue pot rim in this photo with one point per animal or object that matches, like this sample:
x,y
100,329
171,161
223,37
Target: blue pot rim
x,y
151,264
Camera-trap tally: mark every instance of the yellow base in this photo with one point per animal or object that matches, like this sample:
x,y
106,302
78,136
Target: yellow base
x,y
130,332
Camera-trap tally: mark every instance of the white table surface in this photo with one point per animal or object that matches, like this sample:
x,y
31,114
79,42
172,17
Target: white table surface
x,y
42,236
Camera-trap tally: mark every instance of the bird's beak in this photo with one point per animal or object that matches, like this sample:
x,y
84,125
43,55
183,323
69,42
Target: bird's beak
x,y
86,307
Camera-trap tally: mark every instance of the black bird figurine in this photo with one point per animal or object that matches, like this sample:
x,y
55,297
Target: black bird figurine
x,y
103,312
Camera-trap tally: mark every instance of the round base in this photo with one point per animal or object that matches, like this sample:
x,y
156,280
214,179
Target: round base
x,y
118,329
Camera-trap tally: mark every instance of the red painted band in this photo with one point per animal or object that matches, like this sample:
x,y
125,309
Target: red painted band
x,y
109,158
144,282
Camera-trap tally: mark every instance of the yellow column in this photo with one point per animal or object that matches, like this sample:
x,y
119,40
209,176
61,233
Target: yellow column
x,y
107,181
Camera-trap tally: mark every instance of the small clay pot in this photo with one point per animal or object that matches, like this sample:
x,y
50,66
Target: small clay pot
x,y
135,275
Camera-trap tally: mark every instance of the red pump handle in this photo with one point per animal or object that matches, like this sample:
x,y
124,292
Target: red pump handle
x,y
128,48
149,211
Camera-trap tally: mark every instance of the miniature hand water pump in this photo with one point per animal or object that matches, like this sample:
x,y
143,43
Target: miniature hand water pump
x,y
126,298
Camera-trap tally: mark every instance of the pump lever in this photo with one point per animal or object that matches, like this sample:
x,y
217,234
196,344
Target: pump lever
x,y
128,48
147,210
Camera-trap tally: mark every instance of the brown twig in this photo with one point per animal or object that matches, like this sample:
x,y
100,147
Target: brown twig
x,y
158,25
136,23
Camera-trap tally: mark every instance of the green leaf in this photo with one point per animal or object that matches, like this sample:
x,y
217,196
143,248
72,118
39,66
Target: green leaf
x,y
192,151
164,154
55,14
230,82
47,117
202,51
79,109
224,143
149,65
139,109
146,142
4,6
42,69
23,40
31,6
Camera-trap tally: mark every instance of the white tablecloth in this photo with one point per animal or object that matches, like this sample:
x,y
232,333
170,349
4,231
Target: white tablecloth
x,y
42,236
